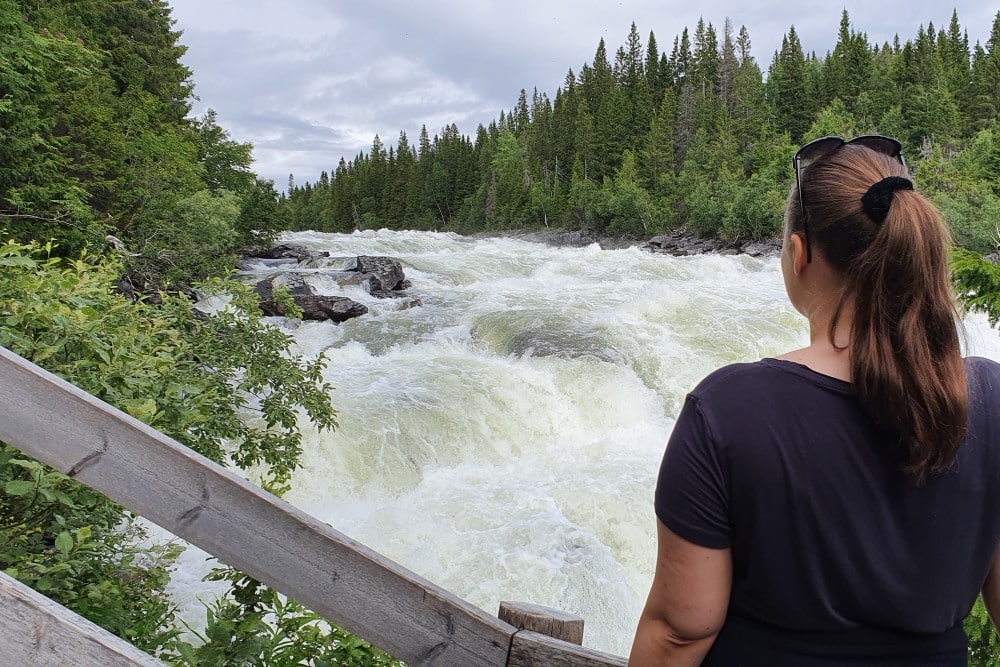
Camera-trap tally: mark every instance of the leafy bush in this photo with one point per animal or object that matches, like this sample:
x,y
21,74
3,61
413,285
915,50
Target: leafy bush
x,y
224,384
972,213
755,211
255,625
75,546
963,185
984,645
977,283
625,204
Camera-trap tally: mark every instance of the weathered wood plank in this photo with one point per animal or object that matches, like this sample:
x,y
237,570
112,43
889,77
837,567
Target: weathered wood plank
x,y
532,649
36,631
545,620
304,558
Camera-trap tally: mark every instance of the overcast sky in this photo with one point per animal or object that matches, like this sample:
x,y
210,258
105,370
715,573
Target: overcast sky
x,y
309,81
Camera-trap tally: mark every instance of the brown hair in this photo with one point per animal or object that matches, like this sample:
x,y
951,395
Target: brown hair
x,y
906,362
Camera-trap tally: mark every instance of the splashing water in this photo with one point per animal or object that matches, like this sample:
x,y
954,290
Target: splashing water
x,y
503,438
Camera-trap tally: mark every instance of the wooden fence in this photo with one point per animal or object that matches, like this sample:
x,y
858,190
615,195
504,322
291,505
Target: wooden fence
x,y
347,583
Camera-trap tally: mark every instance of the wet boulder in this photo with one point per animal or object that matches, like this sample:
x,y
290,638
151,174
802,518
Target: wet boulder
x,y
381,274
289,251
313,306
321,307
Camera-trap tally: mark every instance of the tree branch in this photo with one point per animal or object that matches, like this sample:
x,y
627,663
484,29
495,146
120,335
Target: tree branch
x,y
28,216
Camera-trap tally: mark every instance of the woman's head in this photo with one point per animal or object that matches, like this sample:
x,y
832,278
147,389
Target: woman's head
x,y
857,211
846,192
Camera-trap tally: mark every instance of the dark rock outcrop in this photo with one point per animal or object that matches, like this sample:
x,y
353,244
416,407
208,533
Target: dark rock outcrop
x,y
314,306
295,284
682,243
289,251
579,238
321,307
381,274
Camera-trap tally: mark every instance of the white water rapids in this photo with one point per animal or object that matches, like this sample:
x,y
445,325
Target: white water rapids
x,y
502,439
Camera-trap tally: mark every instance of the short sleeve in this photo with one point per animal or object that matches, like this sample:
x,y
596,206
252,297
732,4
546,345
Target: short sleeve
x,y
692,497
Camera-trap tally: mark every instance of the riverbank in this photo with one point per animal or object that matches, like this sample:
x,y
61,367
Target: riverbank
x,y
679,243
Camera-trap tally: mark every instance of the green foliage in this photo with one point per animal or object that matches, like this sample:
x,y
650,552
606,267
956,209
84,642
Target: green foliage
x,y
833,120
117,129
95,139
984,644
787,87
39,74
225,384
260,219
972,212
755,211
203,380
226,162
512,190
199,242
255,625
977,283
76,547
965,188
625,204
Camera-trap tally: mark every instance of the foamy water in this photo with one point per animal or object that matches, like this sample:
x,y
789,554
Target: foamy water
x,y
502,439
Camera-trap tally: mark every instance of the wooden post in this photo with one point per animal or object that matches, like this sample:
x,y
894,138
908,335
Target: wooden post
x,y
550,638
544,620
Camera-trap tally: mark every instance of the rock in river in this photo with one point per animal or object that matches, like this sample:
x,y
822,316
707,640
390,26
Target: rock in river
x,y
314,306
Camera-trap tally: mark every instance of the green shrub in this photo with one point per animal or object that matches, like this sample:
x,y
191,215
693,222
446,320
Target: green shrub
x,y
205,380
984,645
977,283
75,546
255,625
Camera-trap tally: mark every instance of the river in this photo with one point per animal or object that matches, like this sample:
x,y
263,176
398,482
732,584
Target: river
x,y
502,439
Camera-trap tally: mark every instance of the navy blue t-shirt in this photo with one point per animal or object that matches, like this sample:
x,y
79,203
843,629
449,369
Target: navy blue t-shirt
x,y
835,553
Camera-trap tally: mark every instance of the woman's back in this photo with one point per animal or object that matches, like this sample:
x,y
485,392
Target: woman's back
x,y
829,538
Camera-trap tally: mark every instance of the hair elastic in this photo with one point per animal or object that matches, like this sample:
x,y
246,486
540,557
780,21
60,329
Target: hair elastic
x,y
878,199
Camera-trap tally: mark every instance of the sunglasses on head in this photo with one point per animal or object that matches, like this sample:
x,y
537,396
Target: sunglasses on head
x,y
817,148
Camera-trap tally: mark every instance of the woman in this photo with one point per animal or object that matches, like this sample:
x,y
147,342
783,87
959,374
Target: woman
x,y
840,504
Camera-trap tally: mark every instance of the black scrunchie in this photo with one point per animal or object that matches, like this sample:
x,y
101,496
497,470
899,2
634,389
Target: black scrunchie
x,y
878,199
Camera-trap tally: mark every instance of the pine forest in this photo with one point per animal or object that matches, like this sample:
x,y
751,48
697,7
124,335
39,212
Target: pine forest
x,y
648,139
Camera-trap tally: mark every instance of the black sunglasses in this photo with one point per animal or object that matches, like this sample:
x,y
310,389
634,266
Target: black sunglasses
x,y
817,148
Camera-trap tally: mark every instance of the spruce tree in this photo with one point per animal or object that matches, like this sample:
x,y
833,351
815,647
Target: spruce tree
x,y
986,78
728,64
786,87
656,79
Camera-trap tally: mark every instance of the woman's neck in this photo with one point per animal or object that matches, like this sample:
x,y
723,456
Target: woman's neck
x,y
823,355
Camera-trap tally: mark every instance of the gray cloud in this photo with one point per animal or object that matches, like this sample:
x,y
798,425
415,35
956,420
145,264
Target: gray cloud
x,y
310,81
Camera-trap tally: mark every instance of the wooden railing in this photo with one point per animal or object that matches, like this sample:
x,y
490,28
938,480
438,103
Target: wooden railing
x,y
36,631
344,581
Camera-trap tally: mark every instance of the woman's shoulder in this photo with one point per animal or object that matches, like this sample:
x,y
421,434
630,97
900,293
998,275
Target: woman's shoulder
x,y
982,366
984,378
764,375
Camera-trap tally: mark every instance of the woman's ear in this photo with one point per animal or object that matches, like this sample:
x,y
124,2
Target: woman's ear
x,y
797,252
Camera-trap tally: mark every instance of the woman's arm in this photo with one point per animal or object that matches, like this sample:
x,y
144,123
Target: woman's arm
x,y
991,591
687,603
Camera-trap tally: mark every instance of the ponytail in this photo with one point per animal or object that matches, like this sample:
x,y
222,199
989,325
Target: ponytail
x,y
906,363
